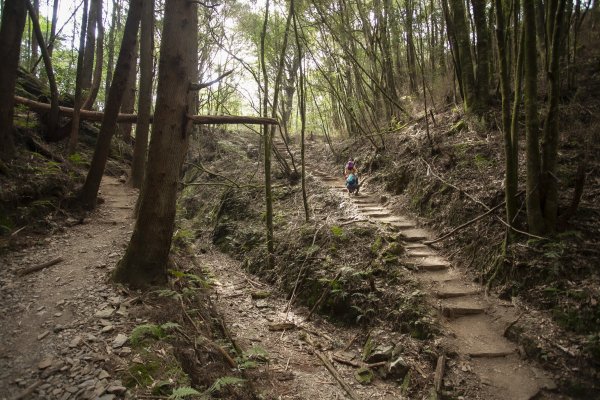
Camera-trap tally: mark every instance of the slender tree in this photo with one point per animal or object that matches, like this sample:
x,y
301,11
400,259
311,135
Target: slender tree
x,y
125,62
78,82
53,133
145,96
11,32
97,77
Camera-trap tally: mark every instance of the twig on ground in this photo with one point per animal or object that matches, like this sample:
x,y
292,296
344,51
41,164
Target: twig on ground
x,y
29,270
439,374
512,324
337,376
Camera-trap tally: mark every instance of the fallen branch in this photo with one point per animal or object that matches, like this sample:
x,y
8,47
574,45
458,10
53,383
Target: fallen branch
x,y
354,364
503,222
97,116
459,228
439,374
29,270
336,375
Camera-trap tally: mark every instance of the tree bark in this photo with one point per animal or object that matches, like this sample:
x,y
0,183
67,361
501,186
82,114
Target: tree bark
x,y
114,25
90,46
128,104
53,116
146,259
53,27
268,142
145,97
483,52
11,32
125,62
534,211
550,136
511,177
34,43
97,77
78,82
464,59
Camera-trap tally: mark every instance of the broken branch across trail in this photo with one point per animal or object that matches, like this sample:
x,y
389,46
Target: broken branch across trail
x,y
97,116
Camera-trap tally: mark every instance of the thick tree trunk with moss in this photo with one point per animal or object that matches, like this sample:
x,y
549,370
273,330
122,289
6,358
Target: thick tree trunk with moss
x,y
145,97
146,259
534,211
125,62
11,32
550,136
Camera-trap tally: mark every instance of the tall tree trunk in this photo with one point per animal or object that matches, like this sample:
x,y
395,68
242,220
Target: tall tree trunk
x,y
550,136
411,55
125,63
483,52
114,26
11,32
78,82
34,43
268,142
53,133
128,104
53,27
97,78
302,106
145,98
146,259
512,177
467,79
90,46
534,211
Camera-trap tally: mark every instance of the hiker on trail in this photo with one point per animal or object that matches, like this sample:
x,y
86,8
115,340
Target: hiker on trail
x,y
352,183
350,167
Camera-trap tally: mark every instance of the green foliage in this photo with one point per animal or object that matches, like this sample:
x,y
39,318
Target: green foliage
x,y
224,382
337,231
169,293
252,358
183,392
76,159
146,331
183,238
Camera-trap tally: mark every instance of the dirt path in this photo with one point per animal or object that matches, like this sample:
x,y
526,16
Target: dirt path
x,y
473,323
58,325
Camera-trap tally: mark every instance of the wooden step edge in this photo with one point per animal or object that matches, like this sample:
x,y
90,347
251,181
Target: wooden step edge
x,y
452,295
491,354
456,312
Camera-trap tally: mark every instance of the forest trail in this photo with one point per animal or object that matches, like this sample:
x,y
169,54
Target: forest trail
x,y
473,324
59,325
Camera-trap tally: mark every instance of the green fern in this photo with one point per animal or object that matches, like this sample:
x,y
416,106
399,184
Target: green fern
x,y
183,392
223,382
169,293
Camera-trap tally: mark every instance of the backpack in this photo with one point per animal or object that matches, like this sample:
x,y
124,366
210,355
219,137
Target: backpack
x,y
351,180
350,165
